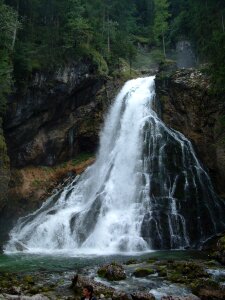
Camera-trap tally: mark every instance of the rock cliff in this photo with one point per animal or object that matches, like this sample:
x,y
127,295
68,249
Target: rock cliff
x,y
4,169
189,106
55,119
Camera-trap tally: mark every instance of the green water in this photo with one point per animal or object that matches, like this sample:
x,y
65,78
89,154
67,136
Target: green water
x,y
30,262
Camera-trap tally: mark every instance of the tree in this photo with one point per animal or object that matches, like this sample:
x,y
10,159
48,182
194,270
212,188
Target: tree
x,y
8,23
161,21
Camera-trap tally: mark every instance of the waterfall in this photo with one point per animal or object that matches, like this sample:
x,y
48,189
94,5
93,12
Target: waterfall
x,y
147,190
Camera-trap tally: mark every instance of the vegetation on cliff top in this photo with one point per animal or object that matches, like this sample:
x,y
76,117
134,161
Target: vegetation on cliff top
x,y
37,35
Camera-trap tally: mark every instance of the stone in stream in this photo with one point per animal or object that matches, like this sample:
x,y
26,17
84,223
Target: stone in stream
x,y
112,272
208,294
220,250
79,281
143,272
16,297
119,295
189,297
142,296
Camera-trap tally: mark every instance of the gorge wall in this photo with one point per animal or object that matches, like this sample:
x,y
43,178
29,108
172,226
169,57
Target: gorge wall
x,y
189,106
57,117
49,122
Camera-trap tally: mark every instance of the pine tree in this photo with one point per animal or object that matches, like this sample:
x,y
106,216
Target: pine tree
x,y
161,25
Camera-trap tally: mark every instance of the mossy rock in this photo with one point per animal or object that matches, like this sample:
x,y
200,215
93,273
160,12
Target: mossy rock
x,y
131,262
142,296
198,284
34,290
191,270
112,272
119,295
29,280
152,260
176,277
162,271
143,272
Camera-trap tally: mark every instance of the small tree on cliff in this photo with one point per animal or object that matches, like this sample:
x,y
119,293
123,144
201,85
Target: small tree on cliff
x,y
161,25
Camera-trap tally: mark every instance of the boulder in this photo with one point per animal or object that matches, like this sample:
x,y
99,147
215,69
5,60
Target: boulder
x,y
23,297
120,295
142,296
143,272
79,281
188,297
112,272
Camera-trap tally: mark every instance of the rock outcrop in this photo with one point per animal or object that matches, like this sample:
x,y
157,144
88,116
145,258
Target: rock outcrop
x,y
189,106
4,169
57,116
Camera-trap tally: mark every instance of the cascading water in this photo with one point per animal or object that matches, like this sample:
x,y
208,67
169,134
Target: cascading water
x,y
145,191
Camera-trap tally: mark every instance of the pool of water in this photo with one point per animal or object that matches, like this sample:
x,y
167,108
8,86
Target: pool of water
x,y
34,262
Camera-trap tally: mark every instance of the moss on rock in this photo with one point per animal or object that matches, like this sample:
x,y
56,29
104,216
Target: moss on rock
x,y
112,272
143,272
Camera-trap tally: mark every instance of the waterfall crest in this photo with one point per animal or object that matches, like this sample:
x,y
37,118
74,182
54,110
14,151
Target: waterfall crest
x,y
146,190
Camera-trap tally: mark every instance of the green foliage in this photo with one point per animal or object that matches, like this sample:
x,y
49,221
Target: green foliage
x,y
157,55
5,79
81,158
96,58
41,34
162,15
8,26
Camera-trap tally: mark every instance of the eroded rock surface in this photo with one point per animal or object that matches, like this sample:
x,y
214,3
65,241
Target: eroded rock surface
x,y
189,106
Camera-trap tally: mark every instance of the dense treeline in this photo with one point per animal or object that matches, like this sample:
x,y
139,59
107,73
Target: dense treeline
x,y
39,34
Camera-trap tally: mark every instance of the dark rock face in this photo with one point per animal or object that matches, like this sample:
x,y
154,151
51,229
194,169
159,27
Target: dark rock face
x,y
58,116
4,169
189,107
220,250
185,54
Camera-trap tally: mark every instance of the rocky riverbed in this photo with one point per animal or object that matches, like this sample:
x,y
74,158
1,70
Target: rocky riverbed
x,y
176,275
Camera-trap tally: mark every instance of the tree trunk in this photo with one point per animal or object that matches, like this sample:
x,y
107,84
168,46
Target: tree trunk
x,y
223,27
164,47
108,34
16,27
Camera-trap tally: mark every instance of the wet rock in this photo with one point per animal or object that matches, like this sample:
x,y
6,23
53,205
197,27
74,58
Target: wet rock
x,y
185,272
12,297
142,296
143,272
112,272
209,294
99,288
15,290
220,250
162,271
131,262
189,297
189,106
207,289
118,295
